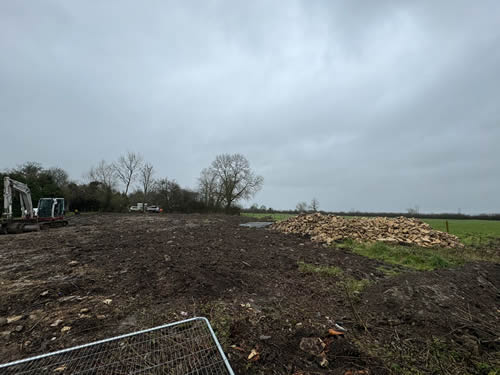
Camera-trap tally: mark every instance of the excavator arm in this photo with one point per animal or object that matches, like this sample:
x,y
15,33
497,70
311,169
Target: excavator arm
x,y
10,185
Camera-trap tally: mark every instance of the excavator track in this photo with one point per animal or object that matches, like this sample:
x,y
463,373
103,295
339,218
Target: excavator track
x,y
53,224
16,227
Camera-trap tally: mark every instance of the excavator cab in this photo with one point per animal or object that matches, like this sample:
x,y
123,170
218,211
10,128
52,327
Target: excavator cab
x,y
50,209
50,213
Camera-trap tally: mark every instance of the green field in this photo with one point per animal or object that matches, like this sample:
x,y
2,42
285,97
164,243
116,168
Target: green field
x,y
470,232
274,216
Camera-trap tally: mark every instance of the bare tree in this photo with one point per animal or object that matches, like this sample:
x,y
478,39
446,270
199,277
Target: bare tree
x,y
413,211
127,167
233,179
147,172
104,173
314,205
208,188
301,207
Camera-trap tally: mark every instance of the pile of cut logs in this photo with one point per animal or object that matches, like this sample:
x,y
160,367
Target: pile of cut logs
x,y
400,230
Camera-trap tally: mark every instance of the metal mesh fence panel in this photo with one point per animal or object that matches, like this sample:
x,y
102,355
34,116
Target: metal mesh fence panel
x,y
185,347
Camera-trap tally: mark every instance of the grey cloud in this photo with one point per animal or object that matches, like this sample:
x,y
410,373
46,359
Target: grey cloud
x,y
365,105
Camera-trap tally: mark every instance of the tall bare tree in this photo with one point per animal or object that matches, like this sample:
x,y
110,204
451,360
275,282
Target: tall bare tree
x,y
233,178
301,207
103,173
127,167
208,188
314,205
146,176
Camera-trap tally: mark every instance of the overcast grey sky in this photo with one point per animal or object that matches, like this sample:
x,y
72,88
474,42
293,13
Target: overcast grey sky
x,y
366,105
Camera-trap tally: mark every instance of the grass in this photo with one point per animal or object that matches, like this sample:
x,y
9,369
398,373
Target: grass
x,y
353,286
388,271
273,216
350,284
470,232
323,270
411,257
421,259
220,318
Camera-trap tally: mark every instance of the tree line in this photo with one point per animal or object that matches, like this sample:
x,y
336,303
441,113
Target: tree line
x,y
115,186
300,208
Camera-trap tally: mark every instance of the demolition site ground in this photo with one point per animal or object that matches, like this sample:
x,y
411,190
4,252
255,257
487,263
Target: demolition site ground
x,y
273,299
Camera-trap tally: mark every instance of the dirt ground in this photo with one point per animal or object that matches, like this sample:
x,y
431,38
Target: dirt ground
x,y
104,275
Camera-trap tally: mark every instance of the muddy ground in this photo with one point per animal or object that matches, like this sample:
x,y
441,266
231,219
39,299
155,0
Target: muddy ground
x,y
104,275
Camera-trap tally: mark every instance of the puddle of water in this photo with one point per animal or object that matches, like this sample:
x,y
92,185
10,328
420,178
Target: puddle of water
x,y
257,224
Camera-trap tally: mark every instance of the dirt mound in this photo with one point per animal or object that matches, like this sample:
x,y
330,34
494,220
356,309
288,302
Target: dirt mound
x,y
401,230
451,311
469,295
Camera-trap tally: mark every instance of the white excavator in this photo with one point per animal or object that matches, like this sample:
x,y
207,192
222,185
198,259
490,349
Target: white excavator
x,y
49,213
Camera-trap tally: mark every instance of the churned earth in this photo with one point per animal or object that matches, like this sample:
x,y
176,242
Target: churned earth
x,y
271,297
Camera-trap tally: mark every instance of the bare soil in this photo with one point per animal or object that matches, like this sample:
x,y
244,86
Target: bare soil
x,y
105,275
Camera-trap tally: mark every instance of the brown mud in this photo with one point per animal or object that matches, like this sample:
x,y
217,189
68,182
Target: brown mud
x,y
105,275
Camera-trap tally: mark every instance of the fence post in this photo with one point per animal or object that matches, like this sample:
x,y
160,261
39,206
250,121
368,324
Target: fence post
x,y
447,228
